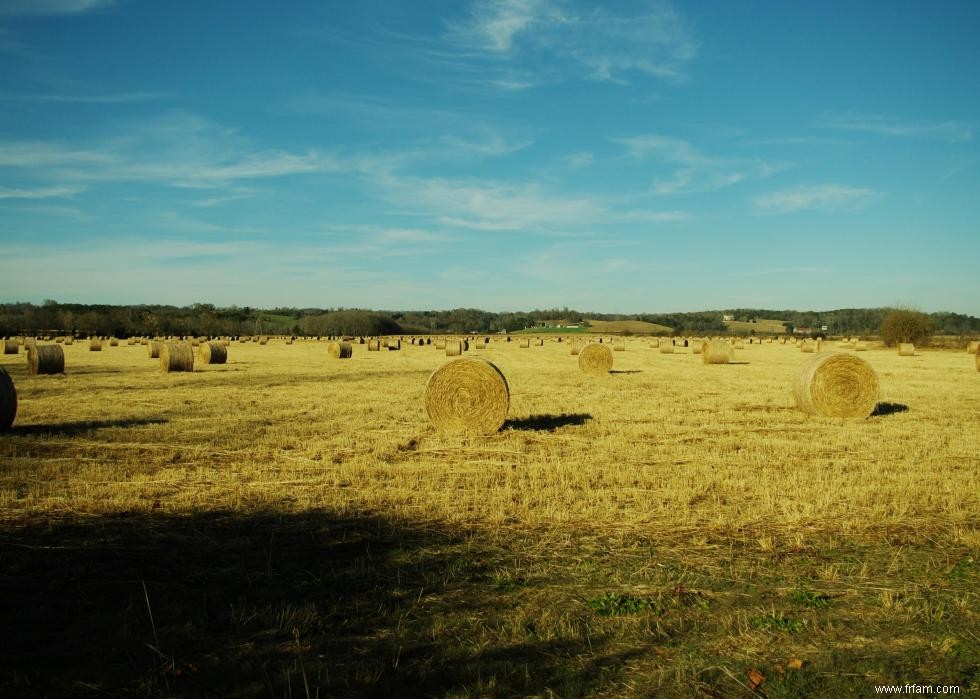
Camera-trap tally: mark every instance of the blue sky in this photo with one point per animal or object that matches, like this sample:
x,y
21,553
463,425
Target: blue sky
x,y
614,157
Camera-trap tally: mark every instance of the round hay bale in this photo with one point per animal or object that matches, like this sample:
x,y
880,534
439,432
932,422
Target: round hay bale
x,y
696,347
808,346
524,343
212,353
69,340
654,343
454,348
46,359
153,349
374,345
906,349
467,396
576,347
8,400
619,346
441,343
860,347
595,358
340,349
539,342
717,352
394,345
95,345
972,347
176,356
480,344
113,342
11,347
836,384
666,348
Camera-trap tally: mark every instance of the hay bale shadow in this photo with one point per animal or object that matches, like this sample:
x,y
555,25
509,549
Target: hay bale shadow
x,y
884,408
626,371
72,429
547,422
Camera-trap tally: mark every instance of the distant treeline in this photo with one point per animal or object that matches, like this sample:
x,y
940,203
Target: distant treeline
x,y
207,319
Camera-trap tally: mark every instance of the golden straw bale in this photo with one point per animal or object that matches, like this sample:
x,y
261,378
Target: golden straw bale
x,y
95,344
525,343
46,359
153,349
906,349
8,400
576,346
595,358
454,348
212,353
374,345
113,342
654,343
539,342
860,346
619,346
836,384
176,356
481,344
972,347
716,352
696,346
666,347
808,346
467,396
394,345
440,343
69,340
11,347
340,349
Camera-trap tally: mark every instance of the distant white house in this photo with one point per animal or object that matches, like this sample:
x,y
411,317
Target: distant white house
x,y
728,317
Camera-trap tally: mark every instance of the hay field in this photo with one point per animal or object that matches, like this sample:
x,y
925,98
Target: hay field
x,y
289,524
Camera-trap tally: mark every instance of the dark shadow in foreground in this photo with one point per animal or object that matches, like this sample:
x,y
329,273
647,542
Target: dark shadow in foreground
x,y
221,604
547,422
889,409
625,371
71,429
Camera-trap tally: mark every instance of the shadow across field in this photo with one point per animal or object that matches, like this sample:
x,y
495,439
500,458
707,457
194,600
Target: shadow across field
x,y
547,422
626,371
889,409
72,429
265,604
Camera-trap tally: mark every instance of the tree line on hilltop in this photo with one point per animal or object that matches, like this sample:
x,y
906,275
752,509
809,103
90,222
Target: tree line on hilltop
x,y
53,317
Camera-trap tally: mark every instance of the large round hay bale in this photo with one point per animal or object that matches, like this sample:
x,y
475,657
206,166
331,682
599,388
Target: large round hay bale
x,y
46,359
95,344
836,384
374,345
595,358
524,343
716,352
481,344
454,348
69,340
340,349
113,342
153,348
906,349
11,347
212,353
176,356
467,396
666,347
655,343
8,400
619,346
696,346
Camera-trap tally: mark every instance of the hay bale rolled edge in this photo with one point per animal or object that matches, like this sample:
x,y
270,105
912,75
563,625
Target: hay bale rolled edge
x,y
595,358
46,359
340,349
906,349
836,384
153,349
716,352
212,353
8,400
467,396
11,347
176,356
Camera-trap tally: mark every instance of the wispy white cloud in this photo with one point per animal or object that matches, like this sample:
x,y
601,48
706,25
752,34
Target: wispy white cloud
x,y
105,98
647,216
38,193
828,197
51,7
596,44
579,160
948,130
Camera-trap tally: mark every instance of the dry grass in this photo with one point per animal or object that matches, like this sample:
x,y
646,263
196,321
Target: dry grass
x,y
303,520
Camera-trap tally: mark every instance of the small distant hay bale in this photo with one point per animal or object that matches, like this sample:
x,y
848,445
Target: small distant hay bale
x,y
525,343
95,344
539,342
467,396
374,345
69,340
619,346
113,342
441,343
717,352
455,348
595,358
153,349
481,344
176,356
264,341
666,348
860,346
808,346
8,400
225,342
340,349
836,384
654,343
906,349
738,344
212,353
46,359
696,347
576,347
972,347
394,345
11,347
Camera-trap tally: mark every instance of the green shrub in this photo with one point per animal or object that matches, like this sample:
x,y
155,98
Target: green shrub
x,y
905,325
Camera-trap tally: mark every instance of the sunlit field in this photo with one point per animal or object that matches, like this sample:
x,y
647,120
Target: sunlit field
x,y
288,524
